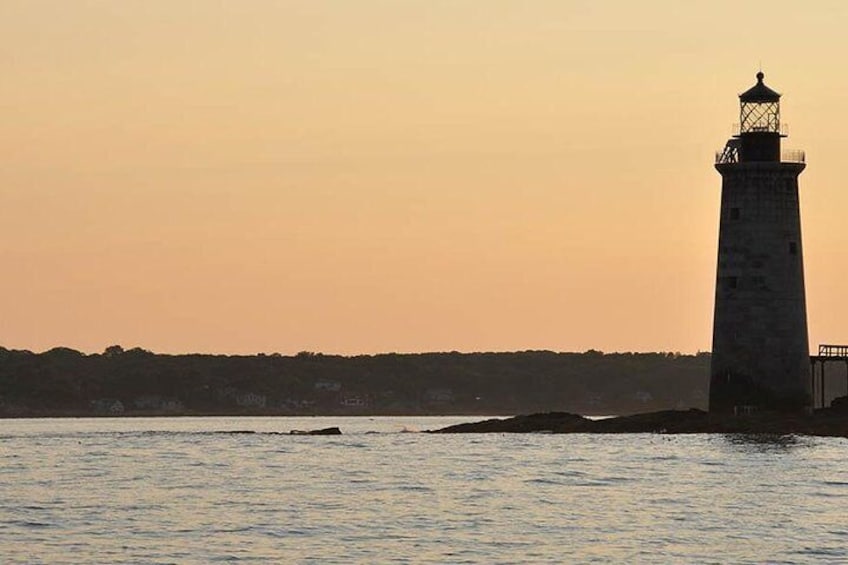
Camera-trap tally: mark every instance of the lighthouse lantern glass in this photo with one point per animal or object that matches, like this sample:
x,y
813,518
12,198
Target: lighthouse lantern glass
x,y
760,117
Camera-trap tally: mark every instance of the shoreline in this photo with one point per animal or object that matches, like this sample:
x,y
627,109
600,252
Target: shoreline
x,y
58,415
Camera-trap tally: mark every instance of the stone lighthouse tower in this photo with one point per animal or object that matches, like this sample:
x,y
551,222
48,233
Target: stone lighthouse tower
x,y
760,355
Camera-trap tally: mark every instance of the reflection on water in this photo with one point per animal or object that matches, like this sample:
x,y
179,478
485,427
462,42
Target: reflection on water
x,y
185,490
767,442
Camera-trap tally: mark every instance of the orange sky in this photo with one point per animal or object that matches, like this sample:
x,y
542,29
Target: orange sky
x,y
357,177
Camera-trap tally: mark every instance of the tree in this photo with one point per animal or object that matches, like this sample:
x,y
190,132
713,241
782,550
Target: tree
x,y
113,351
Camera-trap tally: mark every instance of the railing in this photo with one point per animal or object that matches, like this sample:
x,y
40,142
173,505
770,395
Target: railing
x,y
833,350
782,129
730,154
725,156
792,156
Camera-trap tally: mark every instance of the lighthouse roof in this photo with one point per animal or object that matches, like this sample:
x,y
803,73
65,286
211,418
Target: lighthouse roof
x,y
759,92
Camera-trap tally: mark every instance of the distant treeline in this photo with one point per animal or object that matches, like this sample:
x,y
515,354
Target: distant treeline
x,y
63,381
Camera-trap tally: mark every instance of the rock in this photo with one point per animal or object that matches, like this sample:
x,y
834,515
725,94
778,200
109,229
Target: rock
x,y
334,431
840,404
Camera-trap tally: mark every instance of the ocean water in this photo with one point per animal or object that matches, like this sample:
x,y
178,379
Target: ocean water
x,y
189,490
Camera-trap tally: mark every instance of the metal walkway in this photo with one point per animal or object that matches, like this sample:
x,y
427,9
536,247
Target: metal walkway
x,y
827,353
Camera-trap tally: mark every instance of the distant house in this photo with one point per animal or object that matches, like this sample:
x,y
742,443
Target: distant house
x,y
296,403
171,405
439,396
107,406
226,393
354,401
643,396
251,400
147,402
594,399
154,402
328,386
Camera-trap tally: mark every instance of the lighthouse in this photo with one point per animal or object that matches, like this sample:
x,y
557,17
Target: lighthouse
x,y
760,354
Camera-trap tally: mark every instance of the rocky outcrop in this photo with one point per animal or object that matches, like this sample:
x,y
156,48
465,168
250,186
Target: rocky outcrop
x,y
322,432
550,422
828,422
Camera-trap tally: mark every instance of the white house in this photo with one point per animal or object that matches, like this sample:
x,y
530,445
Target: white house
x,y
328,386
251,400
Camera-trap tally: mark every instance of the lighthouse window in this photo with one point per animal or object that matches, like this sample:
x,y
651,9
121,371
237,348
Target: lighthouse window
x,y
734,213
793,248
731,282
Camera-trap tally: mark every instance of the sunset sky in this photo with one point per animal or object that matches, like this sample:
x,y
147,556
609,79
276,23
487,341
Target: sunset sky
x,y
397,175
